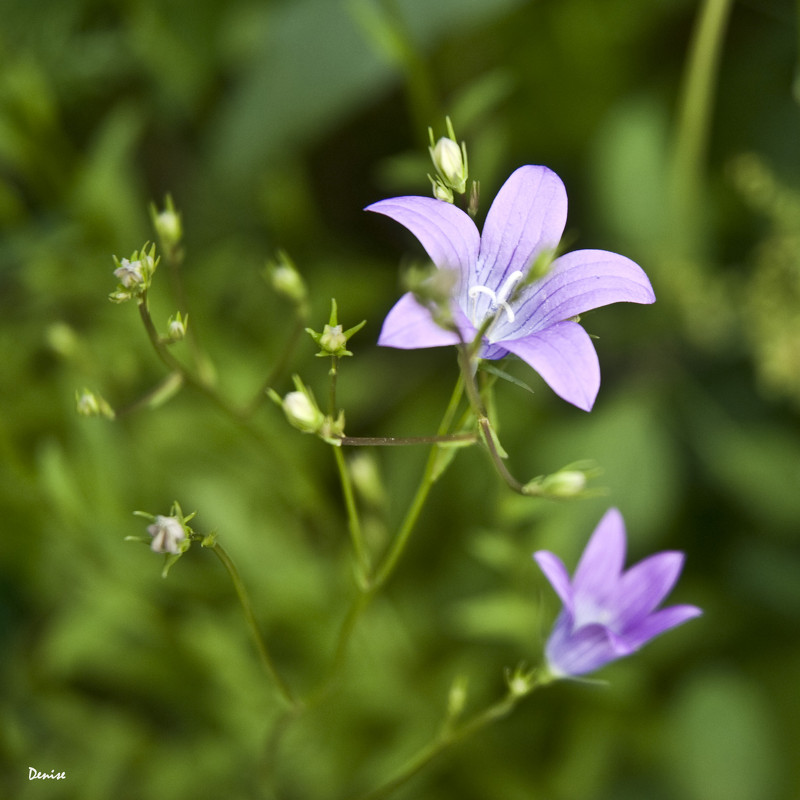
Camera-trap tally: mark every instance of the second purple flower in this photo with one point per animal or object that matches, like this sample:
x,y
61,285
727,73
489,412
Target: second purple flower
x,y
525,223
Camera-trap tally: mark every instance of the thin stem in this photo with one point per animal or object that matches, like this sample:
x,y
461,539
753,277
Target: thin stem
x,y
489,435
428,479
334,373
385,27
497,459
388,441
448,736
354,523
172,363
282,687
369,590
159,394
696,107
174,257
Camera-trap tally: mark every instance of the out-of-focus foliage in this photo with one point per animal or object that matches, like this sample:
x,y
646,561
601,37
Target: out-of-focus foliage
x,y
273,124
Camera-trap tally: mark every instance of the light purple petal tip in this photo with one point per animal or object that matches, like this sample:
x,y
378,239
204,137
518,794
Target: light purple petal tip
x,y
448,235
645,585
581,281
601,564
659,622
555,572
564,356
527,216
410,325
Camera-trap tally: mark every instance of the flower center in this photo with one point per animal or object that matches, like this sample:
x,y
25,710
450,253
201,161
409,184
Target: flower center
x,y
497,300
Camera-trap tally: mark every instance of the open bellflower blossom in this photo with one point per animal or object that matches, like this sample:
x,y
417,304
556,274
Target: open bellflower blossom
x,y
523,225
608,613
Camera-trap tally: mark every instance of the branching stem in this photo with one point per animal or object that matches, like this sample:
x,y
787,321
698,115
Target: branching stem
x,y
281,686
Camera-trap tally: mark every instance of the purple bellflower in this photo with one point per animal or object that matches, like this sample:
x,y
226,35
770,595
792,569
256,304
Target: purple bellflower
x,y
608,613
533,320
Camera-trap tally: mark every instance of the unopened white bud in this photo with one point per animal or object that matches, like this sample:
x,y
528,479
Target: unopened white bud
x,y
168,535
302,412
89,404
176,327
449,161
129,273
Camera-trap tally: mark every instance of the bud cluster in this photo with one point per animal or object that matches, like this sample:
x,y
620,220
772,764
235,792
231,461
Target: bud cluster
x,y
134,274
168,226
450,161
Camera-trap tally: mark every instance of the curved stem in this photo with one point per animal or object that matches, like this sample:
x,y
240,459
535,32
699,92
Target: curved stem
x,y
160,393
366,591
489,437
449,736
428,479
189,377
465,357
282,687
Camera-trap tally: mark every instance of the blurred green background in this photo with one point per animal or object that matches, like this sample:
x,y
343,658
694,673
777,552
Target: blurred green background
x,y
273,124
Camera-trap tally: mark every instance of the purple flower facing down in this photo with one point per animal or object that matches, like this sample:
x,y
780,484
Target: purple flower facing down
x,y
535,322
608,613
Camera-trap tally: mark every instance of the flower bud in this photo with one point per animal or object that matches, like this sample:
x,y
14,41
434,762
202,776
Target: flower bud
x,y
569,481
168,535
286,280
134,274
176,327
440,191
449,162
302,412
333,339
167,224
63,340
367,479
457,697
89,404
520,680
129,273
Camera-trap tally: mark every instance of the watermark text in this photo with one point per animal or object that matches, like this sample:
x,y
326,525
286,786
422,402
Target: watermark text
x,y
34,775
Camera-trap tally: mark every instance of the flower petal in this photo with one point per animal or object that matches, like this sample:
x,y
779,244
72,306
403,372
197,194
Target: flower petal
x,y
600,567
576,651
555,572
657,623
643,587
579,282
448,235
527,217
410,325
564,356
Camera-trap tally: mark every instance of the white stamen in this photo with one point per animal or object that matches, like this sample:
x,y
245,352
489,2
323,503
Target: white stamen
x,y
505,289
498,299
474,291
